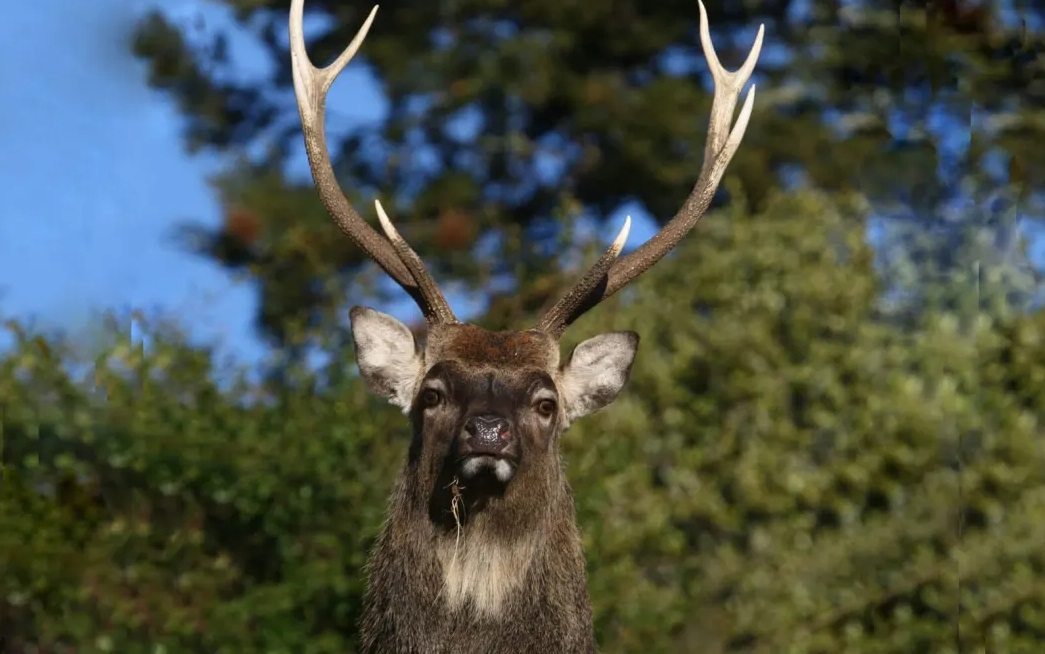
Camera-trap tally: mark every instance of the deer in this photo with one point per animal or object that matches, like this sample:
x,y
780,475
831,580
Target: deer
x,y
480,550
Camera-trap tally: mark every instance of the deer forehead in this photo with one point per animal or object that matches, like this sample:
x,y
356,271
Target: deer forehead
x,y
506,351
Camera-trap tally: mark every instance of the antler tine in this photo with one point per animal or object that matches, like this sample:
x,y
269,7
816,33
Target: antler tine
x,y
723,139
396,257
555,320
425,283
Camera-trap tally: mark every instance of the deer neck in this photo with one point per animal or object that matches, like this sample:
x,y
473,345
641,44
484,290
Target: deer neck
x,y
483,543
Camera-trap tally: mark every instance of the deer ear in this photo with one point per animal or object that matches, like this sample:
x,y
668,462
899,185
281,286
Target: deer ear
x,y
596,372
388,356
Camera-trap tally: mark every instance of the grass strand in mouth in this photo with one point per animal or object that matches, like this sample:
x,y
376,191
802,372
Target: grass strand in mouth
x,y
455,510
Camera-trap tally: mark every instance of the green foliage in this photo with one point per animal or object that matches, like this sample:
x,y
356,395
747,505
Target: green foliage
x,y
145,506
785,472
801,477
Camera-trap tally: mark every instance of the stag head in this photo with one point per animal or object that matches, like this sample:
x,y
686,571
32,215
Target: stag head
x,y
394,365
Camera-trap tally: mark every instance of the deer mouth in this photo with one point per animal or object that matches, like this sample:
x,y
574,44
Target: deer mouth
x,y
500,465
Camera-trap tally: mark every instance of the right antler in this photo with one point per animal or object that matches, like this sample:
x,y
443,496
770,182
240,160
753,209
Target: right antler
x,y
608,275
394,255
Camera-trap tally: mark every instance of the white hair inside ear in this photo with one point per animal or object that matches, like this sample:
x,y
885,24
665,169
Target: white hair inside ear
x,y
389,358
596,372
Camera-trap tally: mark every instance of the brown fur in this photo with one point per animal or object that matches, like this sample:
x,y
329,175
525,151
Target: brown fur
x,y
408,609
475,345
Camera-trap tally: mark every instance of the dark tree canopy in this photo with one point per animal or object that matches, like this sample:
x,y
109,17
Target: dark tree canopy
x,y
509,120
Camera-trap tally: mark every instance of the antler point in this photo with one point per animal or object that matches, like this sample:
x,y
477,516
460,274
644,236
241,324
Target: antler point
x,y
386,223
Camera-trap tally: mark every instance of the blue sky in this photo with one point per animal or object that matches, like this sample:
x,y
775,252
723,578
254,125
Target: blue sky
x,y
94,176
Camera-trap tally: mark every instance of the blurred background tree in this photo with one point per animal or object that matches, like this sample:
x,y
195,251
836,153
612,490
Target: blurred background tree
x,y
507,123
833,439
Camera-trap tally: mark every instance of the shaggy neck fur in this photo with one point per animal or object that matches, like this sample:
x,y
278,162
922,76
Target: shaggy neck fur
x,y
478,568
486,535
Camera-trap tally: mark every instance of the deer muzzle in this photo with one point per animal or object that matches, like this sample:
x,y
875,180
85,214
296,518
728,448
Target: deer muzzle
x,y
488,443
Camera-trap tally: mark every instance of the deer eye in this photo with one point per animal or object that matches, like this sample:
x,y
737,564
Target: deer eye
x,y
430,398
546,408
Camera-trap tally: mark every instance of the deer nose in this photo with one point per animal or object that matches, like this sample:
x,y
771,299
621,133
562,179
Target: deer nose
x,y
487,433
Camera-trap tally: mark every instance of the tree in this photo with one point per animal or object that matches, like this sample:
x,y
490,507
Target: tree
x,y
506,121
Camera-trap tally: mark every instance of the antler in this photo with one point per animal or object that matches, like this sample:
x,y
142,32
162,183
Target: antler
x,y
393,255
608,275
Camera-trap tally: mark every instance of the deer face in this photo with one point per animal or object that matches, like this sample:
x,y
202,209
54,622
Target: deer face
x,y
484,420
488,406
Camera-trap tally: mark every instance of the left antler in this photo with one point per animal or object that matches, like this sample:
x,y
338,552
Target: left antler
x,y
610,274
393,255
